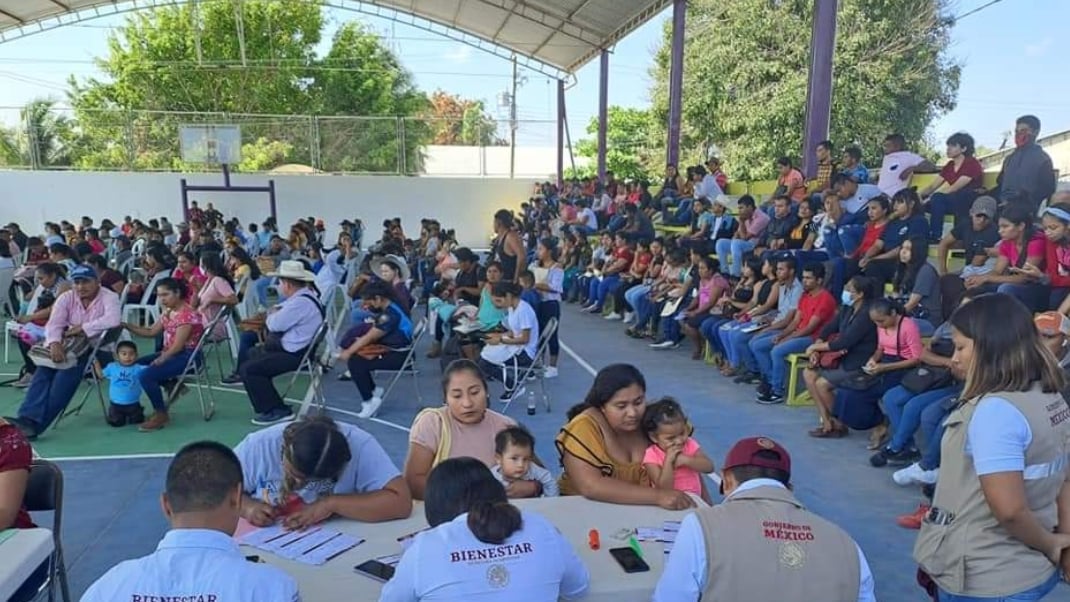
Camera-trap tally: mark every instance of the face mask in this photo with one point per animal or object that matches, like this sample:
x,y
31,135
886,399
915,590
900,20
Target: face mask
x,y
846,299
1021,139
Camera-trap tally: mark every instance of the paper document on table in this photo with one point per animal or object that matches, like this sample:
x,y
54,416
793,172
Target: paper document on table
x,y
313,546
648,534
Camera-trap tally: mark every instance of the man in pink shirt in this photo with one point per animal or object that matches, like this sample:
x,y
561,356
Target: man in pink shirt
x,y
87,309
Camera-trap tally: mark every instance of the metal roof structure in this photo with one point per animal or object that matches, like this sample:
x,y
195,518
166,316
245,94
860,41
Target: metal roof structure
x,y
552,35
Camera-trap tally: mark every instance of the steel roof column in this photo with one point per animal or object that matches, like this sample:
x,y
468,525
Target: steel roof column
x,y
676,80
819,89
603,114
560,134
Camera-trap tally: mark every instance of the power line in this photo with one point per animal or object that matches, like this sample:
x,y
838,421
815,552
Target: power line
x,y
974,11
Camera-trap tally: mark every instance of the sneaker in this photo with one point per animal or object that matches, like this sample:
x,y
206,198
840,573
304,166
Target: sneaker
x,y
629,317
880,458
764,388
612,316
665,345
155,422
24,381
508,395
550,372
370,407
345,376
233,379
746,377
593,309
913,520
770,398
28,427
915,474
904,458
282,414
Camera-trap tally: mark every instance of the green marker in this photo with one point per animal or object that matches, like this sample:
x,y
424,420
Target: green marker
x,y
635,546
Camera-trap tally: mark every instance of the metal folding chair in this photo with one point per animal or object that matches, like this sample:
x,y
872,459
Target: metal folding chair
x,y
309,363
104,341
316,372
44,493
536,369
409,364
228,340
196,372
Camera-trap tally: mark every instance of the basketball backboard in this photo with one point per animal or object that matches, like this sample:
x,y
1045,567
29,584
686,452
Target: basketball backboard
x,y
211,144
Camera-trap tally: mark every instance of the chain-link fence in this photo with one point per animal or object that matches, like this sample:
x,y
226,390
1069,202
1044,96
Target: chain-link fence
x,y
63,138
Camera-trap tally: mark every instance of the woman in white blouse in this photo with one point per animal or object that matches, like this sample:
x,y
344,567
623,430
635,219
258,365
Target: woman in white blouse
x,y
472,520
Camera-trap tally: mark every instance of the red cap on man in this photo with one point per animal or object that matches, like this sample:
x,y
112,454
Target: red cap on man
x,y
747,452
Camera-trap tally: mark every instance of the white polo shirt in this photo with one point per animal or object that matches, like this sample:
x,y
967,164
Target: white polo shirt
x,y
260,454
892,166
684,576
449,563
193,565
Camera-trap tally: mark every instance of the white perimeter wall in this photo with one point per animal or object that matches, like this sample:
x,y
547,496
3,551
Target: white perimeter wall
x,y
464,204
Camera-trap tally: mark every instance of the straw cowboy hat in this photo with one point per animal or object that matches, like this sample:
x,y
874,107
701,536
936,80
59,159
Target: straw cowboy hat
x,y
399,264
293,270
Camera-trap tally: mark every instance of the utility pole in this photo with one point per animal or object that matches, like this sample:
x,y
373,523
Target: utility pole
x,y
512,123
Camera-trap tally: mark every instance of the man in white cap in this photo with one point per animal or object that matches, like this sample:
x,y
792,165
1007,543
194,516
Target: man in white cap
x,y
291,328
760,543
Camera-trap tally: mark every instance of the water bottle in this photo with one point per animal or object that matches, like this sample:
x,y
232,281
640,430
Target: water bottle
x,y
531,402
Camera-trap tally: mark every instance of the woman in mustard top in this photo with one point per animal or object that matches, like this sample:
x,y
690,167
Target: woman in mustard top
x,y
602,446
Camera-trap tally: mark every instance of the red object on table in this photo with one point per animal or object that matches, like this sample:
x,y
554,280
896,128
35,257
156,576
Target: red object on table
x,y
593,539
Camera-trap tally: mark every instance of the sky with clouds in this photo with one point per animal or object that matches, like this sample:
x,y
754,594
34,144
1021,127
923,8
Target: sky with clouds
x,y
1011,65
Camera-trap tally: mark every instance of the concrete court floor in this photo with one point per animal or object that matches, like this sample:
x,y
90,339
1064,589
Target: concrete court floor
x,y
112,509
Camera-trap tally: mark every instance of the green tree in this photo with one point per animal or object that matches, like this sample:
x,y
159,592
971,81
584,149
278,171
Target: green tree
x,y
745,76
40,140
165,63
634,143
457,121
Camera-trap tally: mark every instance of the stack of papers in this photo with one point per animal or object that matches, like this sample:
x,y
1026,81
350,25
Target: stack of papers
x,y
315,545
666,534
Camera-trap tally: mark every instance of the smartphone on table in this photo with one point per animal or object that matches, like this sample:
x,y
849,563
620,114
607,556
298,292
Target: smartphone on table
x,y
379,571
629,560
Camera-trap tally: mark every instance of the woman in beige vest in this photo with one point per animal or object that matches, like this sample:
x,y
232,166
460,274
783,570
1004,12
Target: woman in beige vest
x,y
1003,484
462,427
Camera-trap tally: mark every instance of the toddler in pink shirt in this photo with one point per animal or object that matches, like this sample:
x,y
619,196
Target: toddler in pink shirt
x,y
675,460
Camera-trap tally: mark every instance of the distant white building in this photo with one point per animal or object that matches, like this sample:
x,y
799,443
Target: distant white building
x,y
536,162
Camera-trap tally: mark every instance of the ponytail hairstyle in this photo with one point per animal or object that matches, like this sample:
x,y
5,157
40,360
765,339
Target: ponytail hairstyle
x,y
175,285
315,449
607,383
461,485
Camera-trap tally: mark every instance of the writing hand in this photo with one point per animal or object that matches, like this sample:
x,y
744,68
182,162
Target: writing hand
x,y
308,515
258,513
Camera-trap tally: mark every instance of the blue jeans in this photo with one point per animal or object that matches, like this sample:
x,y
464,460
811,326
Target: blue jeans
x,y
925,327
645,310
779,357
710,329
942,203
602,288
850,236
632,295
1028,595
729,335
904,409
735,248
49,393
932,430
261,286
616,223
152,376
579,230
1033,296
757,352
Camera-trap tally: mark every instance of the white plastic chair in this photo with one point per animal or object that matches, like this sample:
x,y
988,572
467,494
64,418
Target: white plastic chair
x,y
147,309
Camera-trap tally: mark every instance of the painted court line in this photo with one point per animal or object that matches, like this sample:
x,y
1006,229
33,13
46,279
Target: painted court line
x,y
579,360
114,457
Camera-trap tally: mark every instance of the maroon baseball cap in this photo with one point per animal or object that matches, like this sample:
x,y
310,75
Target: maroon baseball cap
x,y
745,453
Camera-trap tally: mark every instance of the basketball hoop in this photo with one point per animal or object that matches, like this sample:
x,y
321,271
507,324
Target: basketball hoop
x,y
210,144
